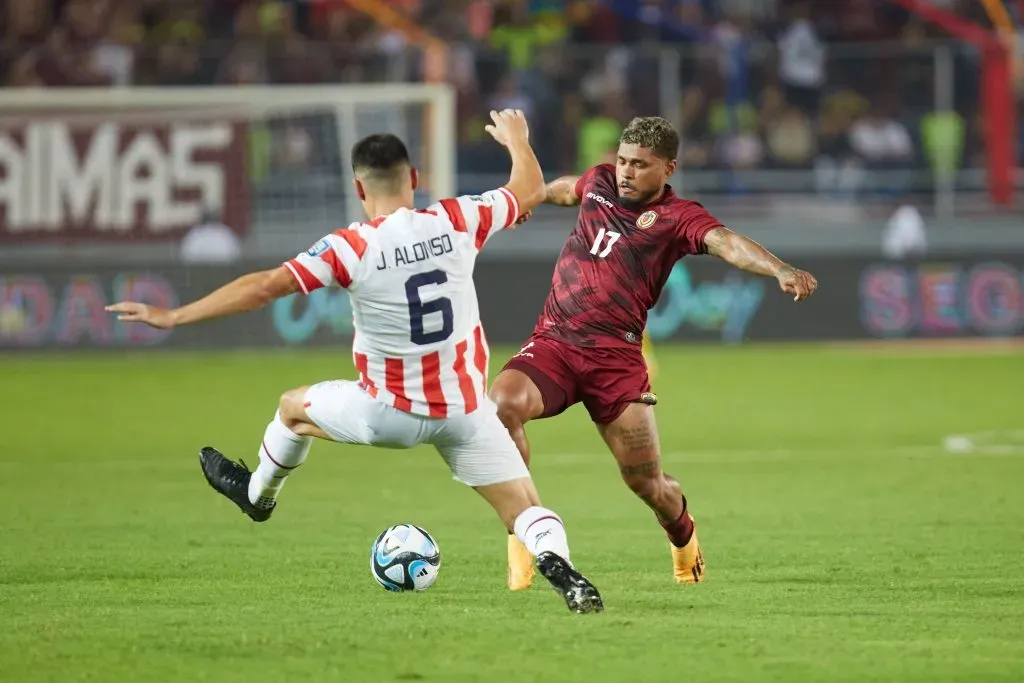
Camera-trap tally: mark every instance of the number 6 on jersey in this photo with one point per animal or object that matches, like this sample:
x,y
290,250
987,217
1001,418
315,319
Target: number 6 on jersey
x,y
613,237
418,308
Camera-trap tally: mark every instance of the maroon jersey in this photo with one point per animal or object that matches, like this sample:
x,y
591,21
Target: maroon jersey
x,y
616,261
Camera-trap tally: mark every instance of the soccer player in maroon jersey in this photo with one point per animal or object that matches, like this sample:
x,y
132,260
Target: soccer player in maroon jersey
x,y
631,230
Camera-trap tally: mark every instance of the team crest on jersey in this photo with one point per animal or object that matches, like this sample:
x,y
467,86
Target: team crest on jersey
x,y
649,397
319,248
647,219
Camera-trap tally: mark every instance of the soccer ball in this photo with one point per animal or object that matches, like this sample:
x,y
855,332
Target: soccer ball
x,y
405,558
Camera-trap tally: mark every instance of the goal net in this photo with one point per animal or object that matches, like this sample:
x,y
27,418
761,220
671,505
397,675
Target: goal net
x,y
145,165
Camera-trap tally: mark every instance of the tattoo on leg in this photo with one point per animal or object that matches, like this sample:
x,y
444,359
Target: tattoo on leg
x,y
636,440
639,469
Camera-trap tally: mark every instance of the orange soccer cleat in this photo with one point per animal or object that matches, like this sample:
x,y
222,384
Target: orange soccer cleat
x,y
688,561
520,565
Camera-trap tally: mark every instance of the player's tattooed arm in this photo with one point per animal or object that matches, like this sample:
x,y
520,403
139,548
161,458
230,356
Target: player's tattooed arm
x,y
742,252
246,293
748,255
562,191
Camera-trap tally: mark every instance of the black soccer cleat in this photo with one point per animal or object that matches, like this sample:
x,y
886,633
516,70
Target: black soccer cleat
x,y
580,595
231,480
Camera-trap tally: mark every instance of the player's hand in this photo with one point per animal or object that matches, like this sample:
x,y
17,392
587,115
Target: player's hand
x,y
509,126
799,283
132,312
522,219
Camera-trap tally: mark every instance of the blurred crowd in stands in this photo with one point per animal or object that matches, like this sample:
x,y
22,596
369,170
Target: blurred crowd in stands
x,y
838,86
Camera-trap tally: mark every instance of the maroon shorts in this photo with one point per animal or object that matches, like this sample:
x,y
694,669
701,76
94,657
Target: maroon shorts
x,y
606,380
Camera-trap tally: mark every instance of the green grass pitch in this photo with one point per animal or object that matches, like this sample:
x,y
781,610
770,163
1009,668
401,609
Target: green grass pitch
x,y
843,542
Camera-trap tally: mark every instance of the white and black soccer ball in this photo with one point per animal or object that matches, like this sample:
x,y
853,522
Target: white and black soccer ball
x,y
405,558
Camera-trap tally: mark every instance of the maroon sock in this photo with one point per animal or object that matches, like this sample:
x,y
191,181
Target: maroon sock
x,y
679,531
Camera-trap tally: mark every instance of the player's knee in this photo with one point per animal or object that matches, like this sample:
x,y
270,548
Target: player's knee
x,y
292,407
646,479
510,498
513,407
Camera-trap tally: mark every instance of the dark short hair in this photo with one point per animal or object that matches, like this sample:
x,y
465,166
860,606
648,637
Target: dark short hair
x,y
380,158
655,133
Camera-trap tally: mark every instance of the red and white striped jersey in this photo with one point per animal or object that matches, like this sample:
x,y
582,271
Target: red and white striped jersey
x,y
419,344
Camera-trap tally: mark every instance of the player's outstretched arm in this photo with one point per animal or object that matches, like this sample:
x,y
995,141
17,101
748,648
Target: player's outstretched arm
x,y
562,191
526,180
247,293
748,255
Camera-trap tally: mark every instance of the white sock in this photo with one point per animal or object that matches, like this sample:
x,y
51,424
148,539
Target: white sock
x,y
281,452
541,531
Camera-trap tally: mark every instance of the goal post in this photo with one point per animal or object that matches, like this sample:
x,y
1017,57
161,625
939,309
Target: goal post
x,y
150,163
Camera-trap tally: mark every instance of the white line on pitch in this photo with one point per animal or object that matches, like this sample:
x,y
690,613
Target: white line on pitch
x,y
768,454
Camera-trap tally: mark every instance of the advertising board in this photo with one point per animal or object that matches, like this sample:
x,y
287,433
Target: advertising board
x,y
61,307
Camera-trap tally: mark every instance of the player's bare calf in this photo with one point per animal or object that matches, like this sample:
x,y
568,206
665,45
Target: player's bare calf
x,y
633,440
518,401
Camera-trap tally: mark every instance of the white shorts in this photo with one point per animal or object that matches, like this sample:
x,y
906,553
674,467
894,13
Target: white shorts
x,y
477,447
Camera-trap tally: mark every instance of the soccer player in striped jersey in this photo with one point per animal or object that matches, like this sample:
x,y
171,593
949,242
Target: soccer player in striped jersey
x,y
419,346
